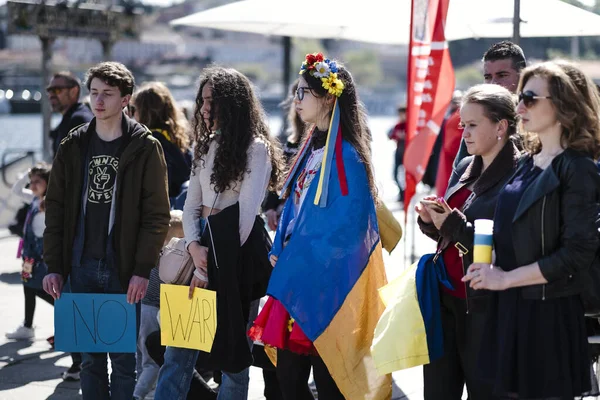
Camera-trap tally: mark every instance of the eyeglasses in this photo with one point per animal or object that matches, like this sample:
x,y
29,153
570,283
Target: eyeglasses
x,y
301,91
56,90
529,98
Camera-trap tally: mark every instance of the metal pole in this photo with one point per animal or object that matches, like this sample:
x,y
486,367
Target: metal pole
x,y
517,23
46,111
413,222
107,47
287,80
574,47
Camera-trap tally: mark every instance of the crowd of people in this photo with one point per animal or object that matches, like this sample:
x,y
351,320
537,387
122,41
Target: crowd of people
x,y
131,172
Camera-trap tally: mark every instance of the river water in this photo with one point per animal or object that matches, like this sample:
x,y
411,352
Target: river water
x,y
24,132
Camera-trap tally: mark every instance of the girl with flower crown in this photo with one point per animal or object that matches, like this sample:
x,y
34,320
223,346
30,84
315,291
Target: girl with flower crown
x,y
326,255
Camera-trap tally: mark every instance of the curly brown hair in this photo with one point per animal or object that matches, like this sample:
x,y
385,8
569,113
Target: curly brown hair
x,y
113,74
241,119
157,109
353,119
576,102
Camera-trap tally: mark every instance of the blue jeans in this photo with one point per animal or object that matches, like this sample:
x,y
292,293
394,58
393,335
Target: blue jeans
x,y
96,276
176,373
175,377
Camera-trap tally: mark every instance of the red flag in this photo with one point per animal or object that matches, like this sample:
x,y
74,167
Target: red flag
x,y
430,87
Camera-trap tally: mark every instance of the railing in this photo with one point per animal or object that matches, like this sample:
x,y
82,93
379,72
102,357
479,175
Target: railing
x,y
6,163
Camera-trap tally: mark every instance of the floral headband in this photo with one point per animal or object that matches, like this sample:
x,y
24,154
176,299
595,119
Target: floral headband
x,y
324,69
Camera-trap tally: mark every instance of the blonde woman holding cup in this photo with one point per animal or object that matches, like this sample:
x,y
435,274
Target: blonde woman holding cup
x,y
490,121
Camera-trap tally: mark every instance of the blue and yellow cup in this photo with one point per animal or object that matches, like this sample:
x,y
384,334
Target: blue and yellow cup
x,y
482,248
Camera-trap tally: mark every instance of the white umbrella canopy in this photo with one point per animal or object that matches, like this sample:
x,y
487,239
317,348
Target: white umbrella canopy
x,y
387,21
539,18
375,21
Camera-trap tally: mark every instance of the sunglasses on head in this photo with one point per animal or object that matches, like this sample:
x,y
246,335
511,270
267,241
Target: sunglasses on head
x,y
529,98
56,90
301,91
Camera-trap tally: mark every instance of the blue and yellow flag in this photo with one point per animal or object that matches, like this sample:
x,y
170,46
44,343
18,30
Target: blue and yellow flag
x,y
409,332
328,275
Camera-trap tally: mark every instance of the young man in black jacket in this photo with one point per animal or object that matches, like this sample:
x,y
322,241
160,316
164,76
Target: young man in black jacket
x,y
107,215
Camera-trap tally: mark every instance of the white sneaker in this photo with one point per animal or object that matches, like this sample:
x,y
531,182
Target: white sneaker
x,y
21,333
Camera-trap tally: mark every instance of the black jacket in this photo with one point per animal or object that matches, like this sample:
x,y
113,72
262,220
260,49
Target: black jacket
x,y
179,164
75,116
238,275
458,227
142,205
555,224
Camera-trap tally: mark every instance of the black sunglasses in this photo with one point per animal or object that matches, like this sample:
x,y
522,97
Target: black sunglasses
x,y
529,98
56,90
301,91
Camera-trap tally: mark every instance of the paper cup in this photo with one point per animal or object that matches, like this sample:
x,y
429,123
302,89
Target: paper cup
x,y
482,248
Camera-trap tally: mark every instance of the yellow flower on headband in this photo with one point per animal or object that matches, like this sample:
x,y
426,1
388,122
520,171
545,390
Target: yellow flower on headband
x,y
333,85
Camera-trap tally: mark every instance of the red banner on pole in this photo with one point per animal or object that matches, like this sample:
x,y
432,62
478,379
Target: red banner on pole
x,y
430,87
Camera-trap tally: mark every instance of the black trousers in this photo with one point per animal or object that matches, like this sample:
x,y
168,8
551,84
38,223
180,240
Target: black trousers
x,y
261,360
444,378
293,371
30,299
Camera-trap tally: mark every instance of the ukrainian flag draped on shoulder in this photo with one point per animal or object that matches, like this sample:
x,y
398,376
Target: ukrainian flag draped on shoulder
x,y
328,275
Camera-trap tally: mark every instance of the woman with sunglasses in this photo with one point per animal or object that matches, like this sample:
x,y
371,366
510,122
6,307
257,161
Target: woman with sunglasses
x,y
535,344
490,120
154,106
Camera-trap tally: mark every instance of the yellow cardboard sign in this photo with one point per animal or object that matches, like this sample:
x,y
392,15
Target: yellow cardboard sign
x,y
186,323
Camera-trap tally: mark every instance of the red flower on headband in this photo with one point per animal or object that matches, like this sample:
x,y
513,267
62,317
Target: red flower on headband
x,y
314,58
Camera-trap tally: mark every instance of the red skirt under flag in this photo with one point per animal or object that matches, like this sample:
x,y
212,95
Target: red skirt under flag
x,y
274,327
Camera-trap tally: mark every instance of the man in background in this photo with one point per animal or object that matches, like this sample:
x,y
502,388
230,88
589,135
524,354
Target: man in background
x,y
398,134
502,65
64,92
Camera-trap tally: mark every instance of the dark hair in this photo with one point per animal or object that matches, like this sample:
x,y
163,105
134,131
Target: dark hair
x,y
113,74
497,102
156,109
353,119
241,119
42,170
296,127
71,79
577,105
506,49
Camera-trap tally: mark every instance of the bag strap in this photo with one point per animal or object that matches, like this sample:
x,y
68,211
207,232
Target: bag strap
x,y
212,243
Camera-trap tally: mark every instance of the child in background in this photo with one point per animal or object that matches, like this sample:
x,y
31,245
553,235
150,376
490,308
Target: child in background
x,y
31,247
147,369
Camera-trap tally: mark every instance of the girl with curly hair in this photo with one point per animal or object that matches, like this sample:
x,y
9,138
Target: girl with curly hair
x,y
235,161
